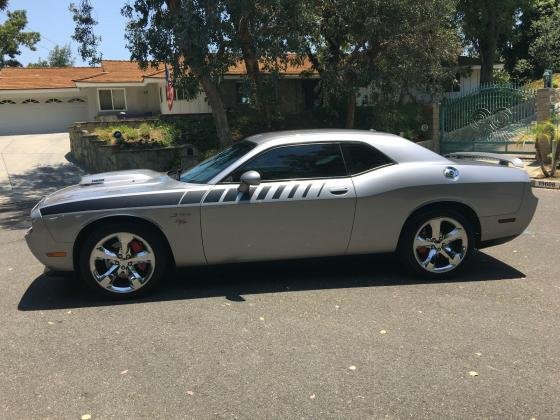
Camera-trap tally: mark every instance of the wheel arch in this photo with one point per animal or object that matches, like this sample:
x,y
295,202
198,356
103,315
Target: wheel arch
x,y
93,224
457,206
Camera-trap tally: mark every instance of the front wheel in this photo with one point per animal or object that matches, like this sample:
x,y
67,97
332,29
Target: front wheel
x,y
123,260
437,244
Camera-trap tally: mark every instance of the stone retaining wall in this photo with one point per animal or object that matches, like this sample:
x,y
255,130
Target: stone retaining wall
x,y
94,155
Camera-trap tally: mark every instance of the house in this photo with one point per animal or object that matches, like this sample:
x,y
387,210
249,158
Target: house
x,y
40,100
467,77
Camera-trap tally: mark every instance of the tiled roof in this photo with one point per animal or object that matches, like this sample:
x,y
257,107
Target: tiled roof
x,y
117,71
292,68
110,71
43,78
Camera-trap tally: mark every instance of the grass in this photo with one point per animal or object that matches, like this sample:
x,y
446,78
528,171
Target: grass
x,y
147,134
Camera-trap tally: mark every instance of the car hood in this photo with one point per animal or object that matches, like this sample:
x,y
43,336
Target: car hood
x,y
117,183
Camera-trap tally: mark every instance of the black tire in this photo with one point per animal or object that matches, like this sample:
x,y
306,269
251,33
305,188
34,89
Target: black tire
x,y
406,250
151,236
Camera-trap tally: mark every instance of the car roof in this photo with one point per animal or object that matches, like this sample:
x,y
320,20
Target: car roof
x,y
399,149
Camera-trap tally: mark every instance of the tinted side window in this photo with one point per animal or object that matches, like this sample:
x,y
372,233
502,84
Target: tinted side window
x,y
361,157
295,162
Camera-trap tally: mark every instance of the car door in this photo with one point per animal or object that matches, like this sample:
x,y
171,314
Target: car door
x,y
304,207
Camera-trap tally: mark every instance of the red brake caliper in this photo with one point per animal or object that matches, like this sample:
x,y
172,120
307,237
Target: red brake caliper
x,y
136,247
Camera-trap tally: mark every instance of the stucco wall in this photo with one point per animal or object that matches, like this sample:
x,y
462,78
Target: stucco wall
x,y
139,99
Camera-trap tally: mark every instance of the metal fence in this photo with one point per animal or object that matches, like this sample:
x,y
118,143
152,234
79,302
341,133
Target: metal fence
x,y
492,117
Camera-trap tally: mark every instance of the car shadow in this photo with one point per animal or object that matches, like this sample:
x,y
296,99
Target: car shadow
x,y
232,282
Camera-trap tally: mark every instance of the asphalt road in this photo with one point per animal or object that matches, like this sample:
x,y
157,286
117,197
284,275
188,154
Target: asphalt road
x,y
342,338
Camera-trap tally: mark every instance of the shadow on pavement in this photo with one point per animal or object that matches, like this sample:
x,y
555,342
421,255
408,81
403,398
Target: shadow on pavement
x,y
29,187
62,291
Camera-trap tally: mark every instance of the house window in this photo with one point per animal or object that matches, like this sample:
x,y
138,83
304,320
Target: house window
x,y
112,100
53,101
30,101
7,102
75,100
242,93
180,94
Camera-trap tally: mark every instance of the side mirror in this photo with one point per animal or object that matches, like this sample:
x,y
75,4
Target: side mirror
x,y
247,179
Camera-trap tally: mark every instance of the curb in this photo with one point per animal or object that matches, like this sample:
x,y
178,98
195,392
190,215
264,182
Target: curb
x,y
541,183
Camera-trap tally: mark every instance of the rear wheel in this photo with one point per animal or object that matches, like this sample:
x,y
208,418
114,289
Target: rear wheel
x,y
123,260
437,244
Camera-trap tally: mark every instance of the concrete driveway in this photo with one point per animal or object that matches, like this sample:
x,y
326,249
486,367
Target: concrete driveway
x,y
34,165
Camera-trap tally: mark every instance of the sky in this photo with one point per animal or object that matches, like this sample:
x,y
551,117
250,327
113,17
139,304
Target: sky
x,y
53,21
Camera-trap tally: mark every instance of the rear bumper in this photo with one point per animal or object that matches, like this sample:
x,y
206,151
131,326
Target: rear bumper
x,y
502,228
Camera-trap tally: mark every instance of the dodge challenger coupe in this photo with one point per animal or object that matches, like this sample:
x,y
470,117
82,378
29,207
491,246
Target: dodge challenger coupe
x,y
284,195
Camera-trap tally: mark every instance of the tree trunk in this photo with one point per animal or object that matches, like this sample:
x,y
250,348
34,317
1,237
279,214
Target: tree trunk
x,y
487,57
487,50
218,110
253,71
351,110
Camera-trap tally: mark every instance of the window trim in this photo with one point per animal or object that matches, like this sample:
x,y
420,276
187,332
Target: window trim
x,y
338,142
7,102
112,102
223,182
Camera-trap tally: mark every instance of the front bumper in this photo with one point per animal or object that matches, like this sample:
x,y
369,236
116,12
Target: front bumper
x,y
40,242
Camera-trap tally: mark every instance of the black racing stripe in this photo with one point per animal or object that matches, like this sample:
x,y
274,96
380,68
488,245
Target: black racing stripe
x,y
122,202
231,195
193,197
263,193
321,189
293,191
278,192
306,191
214,196
247,196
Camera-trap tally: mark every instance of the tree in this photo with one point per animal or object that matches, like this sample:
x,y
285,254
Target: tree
x,y
58,57
353,45
84,34
544,50
13,36
261,38
534,22
486,24
193,37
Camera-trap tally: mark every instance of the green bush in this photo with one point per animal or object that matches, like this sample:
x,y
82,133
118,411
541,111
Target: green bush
x,y
200,130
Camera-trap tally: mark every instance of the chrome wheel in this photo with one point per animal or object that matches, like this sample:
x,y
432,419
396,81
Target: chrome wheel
x,y
122,262
440,245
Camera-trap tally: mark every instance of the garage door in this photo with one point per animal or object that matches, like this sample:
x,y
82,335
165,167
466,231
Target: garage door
x,y
33,116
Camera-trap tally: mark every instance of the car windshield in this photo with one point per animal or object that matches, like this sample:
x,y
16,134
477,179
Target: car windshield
x,y
205,171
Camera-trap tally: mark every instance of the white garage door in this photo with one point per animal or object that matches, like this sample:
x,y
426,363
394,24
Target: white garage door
x,y
52,116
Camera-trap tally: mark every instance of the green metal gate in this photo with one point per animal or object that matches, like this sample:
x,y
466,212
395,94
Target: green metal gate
x,y
491,118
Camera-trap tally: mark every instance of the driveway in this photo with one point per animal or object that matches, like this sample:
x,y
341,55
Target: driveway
x,y
34,165
338,338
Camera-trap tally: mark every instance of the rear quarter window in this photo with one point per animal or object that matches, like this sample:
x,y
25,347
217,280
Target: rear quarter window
x,y
361,157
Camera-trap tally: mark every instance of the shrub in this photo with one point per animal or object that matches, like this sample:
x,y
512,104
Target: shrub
x,y
147,134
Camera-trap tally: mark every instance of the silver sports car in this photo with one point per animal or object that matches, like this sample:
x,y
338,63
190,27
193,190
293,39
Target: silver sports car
x,y
284,195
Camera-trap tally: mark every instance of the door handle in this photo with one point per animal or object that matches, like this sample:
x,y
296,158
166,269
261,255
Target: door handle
x,y
338,190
